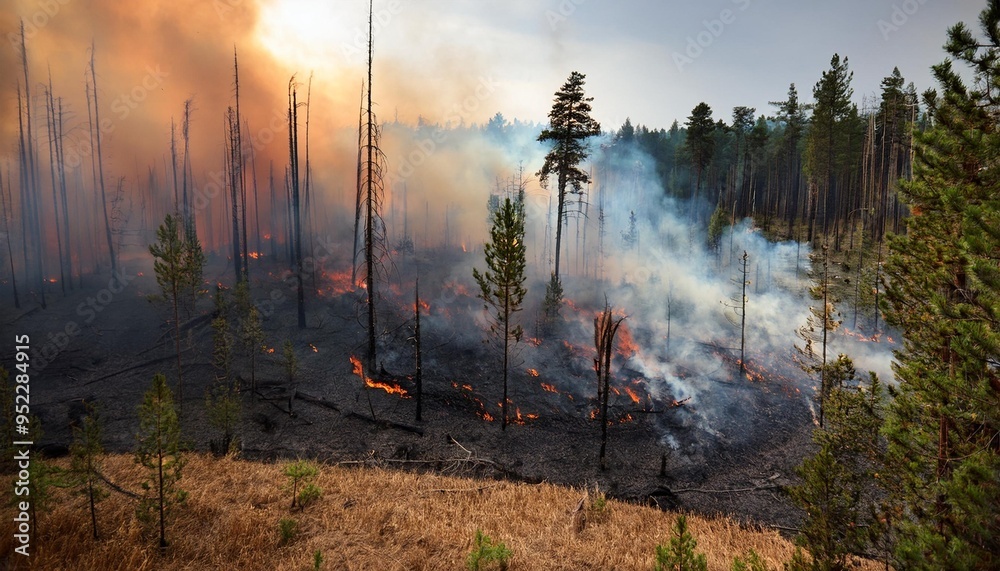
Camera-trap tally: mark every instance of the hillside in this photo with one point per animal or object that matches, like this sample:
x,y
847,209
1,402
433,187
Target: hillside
x,y
367,518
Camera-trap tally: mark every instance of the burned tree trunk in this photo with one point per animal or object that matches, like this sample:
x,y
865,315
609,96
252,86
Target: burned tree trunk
x,y
605,329
293,146
418,376
100,162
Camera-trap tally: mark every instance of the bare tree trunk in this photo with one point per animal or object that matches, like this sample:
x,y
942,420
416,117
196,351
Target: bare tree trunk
x,y
100,161
293,140
6,229
62,187
419,356
50,127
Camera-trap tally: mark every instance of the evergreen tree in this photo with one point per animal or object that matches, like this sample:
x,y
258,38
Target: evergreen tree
x,y
222,400
159,451
86,451
570,125
502,284
680,554
822,320
943,293
837,481
831,110
178,264
700,144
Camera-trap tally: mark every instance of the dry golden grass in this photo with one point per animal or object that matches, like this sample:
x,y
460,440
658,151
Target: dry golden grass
x,y
366,519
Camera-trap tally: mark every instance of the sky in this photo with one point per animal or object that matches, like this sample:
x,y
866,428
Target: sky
x,y
443,61
652,60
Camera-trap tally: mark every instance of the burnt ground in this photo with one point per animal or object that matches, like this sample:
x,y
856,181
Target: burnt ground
x,y
732,460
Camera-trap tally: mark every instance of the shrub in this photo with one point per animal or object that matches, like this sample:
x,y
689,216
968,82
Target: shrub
x,y
288,528
485,552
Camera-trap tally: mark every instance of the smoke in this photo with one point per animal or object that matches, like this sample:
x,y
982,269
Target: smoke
x,y
624,241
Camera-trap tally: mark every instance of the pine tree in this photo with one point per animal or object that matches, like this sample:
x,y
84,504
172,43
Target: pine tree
x,y
86,451
700,145
837,481
943,293
680,554
159,451
178,265
825,138
222,400
821,321
502,284
570,125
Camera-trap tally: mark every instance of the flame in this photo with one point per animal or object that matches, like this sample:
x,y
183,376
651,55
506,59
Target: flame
x,y
456,287
533,372
534,341
254,255
391,388
52,280
632,394
627,347
269,350
549,388
267,236
313,347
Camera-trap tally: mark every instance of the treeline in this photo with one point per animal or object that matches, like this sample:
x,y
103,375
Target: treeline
x,y
810,170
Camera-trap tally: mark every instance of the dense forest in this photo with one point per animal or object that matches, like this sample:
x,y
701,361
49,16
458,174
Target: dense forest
x,y
848,222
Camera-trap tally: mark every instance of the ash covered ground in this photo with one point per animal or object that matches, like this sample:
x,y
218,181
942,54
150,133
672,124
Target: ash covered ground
x,y
688,429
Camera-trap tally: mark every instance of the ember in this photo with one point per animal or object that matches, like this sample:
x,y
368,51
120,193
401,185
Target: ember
x,y
313,347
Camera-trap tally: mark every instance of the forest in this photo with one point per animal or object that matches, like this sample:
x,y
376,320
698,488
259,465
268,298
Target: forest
x,y
788,316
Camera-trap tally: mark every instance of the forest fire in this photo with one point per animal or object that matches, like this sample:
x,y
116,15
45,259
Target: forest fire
x,y
391,388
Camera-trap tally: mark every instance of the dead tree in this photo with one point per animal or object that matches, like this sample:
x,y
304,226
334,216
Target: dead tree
x,y
6,228
50,124
100,160
738,317
293,149
418,376
373,185
243,269
605,328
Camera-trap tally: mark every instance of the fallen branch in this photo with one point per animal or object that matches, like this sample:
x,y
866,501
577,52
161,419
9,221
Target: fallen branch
x,y
116,487
730,491
132,368
319,401
387,423
480,489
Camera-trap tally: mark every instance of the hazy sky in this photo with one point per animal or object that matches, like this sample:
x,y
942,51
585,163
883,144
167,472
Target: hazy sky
x,y
461,60
648,59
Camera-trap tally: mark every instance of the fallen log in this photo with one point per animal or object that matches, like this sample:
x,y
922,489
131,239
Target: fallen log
x,y
132,368
387,423
319,401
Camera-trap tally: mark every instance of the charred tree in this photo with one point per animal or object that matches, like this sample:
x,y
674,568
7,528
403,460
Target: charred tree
x,y
738,309
29,178
100,160
6,228
373,190
50,125
605,328
418,376
293,147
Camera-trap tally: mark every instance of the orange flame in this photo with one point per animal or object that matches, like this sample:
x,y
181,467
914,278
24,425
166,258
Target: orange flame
x,y
549,388
391,388
632,394
313,347
254,255
533,372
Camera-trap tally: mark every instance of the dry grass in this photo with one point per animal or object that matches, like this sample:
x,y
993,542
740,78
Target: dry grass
x,y
366,519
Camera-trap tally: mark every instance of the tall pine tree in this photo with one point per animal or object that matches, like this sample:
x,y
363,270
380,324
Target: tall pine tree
x,y
570,125
944,424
